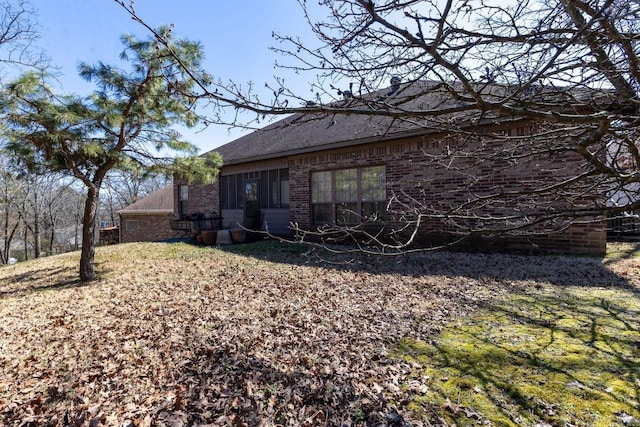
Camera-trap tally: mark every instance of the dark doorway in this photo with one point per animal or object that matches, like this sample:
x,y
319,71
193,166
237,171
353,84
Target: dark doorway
x,y
252,204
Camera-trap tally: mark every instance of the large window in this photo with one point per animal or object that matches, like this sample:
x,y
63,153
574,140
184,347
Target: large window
x,y
272,187
348,196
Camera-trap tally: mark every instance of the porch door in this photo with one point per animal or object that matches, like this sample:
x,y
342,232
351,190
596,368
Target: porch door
x,y
252,204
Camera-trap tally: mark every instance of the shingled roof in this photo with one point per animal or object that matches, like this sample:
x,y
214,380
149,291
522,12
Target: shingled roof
x,y
158,202
420,107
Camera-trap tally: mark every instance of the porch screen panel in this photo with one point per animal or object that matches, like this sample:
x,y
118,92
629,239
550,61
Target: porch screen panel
x,y
224,192
265,190
239,192
284,187
232,198
273,189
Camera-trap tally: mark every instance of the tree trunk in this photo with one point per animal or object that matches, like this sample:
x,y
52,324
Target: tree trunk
x,y
37,236
87,266
26,239
4,255
75,237
52,239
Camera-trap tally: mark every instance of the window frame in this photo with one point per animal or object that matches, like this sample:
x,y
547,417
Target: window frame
x,y
183,192
346,207
131,225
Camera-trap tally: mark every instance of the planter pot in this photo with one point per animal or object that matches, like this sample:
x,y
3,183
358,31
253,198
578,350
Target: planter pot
x,y
238,235
223,237
209,237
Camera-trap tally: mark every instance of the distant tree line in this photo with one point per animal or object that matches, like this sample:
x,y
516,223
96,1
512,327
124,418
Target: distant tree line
x,y
73,160
41,213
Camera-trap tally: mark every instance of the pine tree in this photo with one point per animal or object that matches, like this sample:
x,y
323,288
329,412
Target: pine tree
x,y
125,124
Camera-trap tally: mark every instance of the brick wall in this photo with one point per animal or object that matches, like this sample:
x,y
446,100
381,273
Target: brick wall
x,y
419,182
202,198
145,227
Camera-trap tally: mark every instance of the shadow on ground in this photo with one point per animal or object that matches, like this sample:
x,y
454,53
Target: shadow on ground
x,y
44,279
562,270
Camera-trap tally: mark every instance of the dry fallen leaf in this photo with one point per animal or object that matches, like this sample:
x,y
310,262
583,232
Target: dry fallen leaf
x,y
447,405
207,337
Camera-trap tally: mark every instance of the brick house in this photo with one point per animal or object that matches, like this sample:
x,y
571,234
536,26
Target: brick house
x,y
147,220
321,168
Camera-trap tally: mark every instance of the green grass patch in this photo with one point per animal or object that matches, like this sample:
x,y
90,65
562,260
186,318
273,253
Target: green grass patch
x,y
558,356
622,250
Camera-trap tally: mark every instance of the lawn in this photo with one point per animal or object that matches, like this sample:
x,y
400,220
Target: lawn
x,y
273,334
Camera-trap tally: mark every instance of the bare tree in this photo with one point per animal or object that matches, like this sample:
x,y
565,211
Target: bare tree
x,y
124,187
565,71
18,34
12,193
45,209
32,208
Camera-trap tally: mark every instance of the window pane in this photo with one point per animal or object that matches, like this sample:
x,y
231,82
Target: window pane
x,y
347,185
373,181
251,191
346,213
322,214
184,192
224,192
284,187
321,187
273,189
264,189
284,193
239,192
373,211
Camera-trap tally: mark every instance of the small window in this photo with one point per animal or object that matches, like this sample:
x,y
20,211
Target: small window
x,y
131,225
184,193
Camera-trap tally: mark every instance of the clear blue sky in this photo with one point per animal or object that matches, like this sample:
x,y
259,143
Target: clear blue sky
x,y
236,36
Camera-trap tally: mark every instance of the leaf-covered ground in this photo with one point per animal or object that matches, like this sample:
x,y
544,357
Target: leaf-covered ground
x,y
270,334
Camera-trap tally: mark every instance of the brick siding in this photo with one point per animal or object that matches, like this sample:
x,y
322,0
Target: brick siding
x,y
414,179
149,228
202,198
411,175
